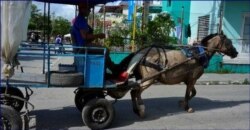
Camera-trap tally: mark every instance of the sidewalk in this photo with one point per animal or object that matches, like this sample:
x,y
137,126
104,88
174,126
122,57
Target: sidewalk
x,y
223,79
205,79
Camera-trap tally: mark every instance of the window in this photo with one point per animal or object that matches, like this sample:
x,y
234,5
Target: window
x,y
245,34
169,3
203,26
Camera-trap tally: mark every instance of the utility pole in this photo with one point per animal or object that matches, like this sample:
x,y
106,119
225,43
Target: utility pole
x,y
145,13
182,18
134,29
104,18
221,16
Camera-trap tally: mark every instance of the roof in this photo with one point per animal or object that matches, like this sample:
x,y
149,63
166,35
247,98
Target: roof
x,y
74,2
152,9
113,9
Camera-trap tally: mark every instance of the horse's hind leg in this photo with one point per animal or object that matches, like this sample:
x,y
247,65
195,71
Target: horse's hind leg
x,y
141,106
134,100
138,105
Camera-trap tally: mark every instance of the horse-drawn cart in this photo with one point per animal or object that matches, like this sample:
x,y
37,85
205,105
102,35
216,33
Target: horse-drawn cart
x,y
85,72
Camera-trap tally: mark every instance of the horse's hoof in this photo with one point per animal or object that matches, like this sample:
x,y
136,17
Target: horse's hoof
x,y
190,110
141,112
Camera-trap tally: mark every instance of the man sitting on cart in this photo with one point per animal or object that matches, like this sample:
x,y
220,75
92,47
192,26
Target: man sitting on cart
x,y
82,35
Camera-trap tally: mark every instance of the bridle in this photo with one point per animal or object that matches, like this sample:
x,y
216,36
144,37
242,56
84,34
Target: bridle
x,y
222,42
218,49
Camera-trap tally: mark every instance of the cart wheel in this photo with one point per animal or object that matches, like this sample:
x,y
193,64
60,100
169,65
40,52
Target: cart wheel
x,y
98,114
10,119
81,98
15,103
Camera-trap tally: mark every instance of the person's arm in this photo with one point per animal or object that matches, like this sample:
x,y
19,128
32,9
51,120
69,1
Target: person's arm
x,y
87,36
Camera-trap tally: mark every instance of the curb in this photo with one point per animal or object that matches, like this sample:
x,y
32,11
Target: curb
x,y
222,83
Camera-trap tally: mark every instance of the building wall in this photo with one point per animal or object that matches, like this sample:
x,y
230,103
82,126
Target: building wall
x,y
175,9
202,8
233,19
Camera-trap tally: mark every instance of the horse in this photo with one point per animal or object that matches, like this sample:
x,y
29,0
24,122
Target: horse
x,y
181,68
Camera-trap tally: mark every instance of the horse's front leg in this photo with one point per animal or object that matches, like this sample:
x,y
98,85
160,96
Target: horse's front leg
x,y
190,93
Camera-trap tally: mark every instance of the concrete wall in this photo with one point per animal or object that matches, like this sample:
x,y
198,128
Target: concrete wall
x,y
233,20
175,9
202,8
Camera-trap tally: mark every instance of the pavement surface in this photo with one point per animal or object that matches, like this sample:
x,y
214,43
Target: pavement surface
x,y
216,107
205,79
223,79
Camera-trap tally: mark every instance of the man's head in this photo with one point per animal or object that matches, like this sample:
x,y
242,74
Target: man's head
x,y
84,9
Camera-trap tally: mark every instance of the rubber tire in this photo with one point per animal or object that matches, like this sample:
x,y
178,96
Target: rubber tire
x,y
81,98
65,78
15,92
12,116
93,105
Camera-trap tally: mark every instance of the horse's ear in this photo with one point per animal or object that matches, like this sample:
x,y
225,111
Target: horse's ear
x,y
221,33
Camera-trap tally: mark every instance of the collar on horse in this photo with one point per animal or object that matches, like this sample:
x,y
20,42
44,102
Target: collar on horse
x,y
198,53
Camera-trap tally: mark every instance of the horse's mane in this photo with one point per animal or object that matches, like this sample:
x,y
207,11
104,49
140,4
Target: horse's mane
x,y
204,41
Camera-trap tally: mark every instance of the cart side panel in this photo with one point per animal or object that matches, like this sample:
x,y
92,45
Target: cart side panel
x,y
94,71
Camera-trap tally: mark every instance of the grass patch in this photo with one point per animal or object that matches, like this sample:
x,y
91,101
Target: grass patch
x,y
246,81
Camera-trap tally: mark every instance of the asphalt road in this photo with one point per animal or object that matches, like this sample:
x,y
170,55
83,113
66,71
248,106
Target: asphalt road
x,y
216,107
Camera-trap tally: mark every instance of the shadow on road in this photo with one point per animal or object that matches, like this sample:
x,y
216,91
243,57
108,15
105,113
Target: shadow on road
x,y
155,108
61,118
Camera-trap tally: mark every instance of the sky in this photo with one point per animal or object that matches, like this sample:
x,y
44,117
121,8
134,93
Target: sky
x,y
66,11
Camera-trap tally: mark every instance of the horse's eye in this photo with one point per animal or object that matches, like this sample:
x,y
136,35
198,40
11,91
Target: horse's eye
x,y
228,43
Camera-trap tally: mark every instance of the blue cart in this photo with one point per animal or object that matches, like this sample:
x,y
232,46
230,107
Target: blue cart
x,y
86,72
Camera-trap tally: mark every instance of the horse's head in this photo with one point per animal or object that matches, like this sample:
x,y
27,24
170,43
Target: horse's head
x,y
220,43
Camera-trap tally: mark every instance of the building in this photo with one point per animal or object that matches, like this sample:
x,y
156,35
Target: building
x,y
206,17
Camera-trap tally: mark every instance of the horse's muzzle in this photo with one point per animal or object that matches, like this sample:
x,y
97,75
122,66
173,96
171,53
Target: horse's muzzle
x,y
233,53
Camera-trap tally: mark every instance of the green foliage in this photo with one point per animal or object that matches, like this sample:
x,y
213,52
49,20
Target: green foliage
x,y
37,20
58,25
159,29
246,81
118,35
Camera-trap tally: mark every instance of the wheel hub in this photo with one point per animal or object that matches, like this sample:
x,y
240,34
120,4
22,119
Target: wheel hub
x,y
99,115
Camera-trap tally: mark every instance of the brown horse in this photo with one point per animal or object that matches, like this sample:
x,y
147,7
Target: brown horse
x,y
181,68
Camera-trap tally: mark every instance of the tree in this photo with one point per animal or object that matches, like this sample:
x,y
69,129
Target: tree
x,y
35,16
159,29
60,26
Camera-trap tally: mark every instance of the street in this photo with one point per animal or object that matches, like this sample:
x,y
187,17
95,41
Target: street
x,y
205,43
216,107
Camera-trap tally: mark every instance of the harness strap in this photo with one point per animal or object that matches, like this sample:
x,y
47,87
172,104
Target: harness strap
x,y
157,66
152,65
